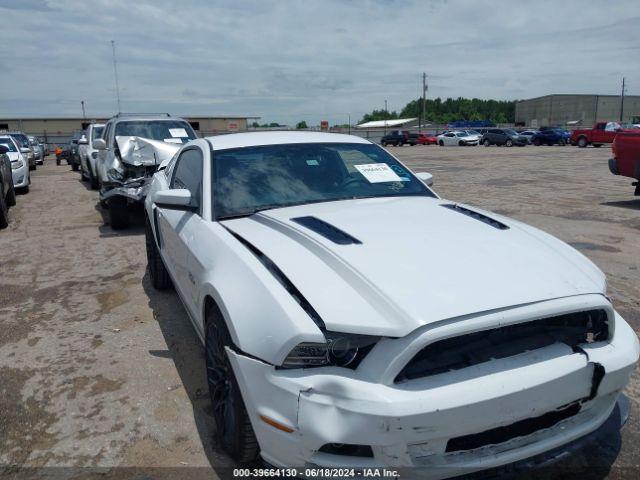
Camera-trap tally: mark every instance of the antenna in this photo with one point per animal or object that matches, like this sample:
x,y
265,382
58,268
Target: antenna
x,y
115,71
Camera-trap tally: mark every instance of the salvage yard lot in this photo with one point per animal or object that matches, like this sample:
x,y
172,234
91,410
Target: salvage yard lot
x,y
99,369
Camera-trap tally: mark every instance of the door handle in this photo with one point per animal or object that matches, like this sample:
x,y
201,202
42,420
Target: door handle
x,y
191,279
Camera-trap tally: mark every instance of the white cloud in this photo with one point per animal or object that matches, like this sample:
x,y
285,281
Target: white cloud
x,y
291,60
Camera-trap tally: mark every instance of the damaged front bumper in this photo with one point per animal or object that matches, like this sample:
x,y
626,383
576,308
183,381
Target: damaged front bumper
x,y
134,190
484,416
128,174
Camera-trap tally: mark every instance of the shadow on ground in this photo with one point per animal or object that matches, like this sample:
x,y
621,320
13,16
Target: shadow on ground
x,y
631,204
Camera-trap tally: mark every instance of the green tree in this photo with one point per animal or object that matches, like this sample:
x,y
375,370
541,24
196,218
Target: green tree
x,y
379,115
301,125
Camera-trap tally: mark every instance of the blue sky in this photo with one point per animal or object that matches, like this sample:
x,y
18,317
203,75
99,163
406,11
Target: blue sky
x,y
291,60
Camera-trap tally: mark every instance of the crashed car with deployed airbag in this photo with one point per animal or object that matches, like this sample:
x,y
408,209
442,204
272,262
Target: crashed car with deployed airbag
x,y
129,152
353,318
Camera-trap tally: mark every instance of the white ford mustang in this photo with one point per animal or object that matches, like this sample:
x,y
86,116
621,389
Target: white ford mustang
x,y
351,317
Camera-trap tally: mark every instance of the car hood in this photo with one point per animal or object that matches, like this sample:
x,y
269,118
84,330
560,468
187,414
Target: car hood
x,y
417,262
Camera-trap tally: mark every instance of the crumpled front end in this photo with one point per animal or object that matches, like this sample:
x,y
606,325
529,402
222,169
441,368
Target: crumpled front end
x,y
129,173
506,399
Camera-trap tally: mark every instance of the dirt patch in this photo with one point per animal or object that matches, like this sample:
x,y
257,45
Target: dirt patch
x,y
24,423
112,300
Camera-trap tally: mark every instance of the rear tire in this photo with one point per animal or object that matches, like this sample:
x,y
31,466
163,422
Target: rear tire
x,y
160,278
486,143
441,143
537,142
11,197
582,142
118,213
234,432
93,181
4,211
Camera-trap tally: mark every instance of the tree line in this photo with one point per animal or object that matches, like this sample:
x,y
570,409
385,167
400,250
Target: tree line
x,y
450,110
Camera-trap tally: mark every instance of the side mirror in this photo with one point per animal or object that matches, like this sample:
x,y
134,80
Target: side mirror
x,y
83,141
426,178
25,150
175,199
99,144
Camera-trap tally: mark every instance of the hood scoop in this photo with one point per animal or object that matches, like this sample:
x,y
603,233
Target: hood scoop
x,y
478,216
327,230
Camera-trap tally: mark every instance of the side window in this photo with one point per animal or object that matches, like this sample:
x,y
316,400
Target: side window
x,y
188,174
105,134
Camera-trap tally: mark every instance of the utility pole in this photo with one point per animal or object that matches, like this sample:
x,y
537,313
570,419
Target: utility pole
x,y
385,107
115,71
84,116
622,100
349,124
425,87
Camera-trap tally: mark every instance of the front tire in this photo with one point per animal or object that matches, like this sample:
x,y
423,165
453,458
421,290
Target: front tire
x,y
118,213
509,143
597,145
441,143
486,143
234,432
160,278
74,167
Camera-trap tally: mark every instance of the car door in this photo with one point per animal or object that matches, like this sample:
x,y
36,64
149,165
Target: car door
x,y
178,227
450,139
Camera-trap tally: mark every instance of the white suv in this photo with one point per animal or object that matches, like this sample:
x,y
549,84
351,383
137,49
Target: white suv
x,y
89,155
124,168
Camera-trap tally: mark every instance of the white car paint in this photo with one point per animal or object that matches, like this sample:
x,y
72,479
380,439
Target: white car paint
x,y
19,164
88,154
457,138
424,272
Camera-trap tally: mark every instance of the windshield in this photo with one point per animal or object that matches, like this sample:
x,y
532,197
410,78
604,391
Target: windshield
x,y
9,144
173,131
96,132
508,131
472,132
24,141
247,180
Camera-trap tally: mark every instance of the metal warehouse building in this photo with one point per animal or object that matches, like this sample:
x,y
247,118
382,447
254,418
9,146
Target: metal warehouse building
x,y
576,110
60,129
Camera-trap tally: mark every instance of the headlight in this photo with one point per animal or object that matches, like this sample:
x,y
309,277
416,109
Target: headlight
x,y
340,350
17,164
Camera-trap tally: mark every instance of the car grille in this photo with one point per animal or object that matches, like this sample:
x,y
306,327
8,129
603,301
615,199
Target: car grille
x,y
521,428
475,348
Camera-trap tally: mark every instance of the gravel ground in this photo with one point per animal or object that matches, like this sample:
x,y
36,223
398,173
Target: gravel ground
x,y
98,370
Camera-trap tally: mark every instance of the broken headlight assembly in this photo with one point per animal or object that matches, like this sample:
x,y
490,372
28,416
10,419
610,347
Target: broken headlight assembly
x,y
340,350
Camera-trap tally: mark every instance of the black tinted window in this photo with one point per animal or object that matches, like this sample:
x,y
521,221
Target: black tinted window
x,y
188,174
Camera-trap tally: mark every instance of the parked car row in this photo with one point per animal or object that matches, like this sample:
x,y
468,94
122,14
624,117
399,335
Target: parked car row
x,y
15,171
120,157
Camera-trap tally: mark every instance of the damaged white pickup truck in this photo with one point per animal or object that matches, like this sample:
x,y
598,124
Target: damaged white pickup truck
x,y
129,152
351,317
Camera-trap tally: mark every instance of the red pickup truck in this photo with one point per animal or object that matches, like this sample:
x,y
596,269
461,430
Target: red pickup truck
x,y
626,157
602,132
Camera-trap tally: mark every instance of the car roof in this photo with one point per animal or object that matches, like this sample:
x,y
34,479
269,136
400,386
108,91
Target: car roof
x,y
253,139
147,118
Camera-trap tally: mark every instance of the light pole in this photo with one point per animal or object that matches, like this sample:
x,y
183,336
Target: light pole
x,y
84,116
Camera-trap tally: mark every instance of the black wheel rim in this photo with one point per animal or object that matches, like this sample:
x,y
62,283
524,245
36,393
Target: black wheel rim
x,y
219,381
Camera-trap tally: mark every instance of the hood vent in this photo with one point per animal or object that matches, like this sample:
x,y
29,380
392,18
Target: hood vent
x,y
327,230
478,216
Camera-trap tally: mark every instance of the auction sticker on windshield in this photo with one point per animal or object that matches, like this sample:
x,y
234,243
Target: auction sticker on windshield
x,y
178,132
378,173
